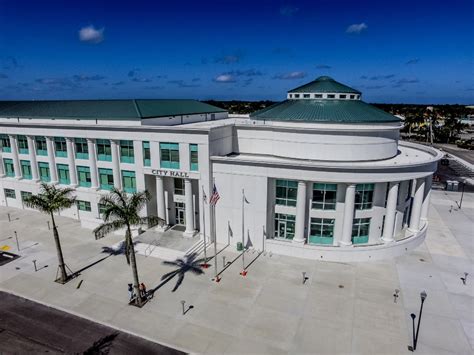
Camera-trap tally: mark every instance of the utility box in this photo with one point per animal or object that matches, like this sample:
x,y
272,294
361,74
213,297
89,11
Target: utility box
x,y
240,247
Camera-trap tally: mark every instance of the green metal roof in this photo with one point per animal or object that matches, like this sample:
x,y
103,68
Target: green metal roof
x,y
337,111
104,109
325,84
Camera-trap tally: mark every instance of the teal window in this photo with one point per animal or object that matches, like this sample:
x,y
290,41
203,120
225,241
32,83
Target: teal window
x,y
41,146
83,205
324,196
22,144
26,169
82,151
364,196
9,193
179,186
5,143
146,154
104,150
106,179
9,167
284,226
193,157
63,174
60,147
44,172
129,181
169,155
321,231
25,195
84,176
101,207
126,152
286,191
360,230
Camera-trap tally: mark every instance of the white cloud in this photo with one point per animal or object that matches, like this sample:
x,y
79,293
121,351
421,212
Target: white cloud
x,y
356,28
224,78
291,75
91,35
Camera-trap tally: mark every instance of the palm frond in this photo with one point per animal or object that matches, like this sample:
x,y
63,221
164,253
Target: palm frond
x,y
151,221
179,282
196,270
171,263
106,228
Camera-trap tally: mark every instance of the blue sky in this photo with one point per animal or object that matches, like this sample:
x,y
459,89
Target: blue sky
x,y
393,51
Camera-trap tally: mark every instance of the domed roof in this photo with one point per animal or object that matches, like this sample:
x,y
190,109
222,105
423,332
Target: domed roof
x,y
324,100
325,84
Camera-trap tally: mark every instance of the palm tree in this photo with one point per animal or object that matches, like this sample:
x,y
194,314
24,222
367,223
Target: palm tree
x,y
121,210
53,199
188,263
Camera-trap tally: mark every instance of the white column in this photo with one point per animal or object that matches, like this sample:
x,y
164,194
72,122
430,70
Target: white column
x,y
114,145
426,200
71,161
349,203
390,212
188,194
51,160
417,204
93,163
300,213
2,168
16,159
160,198
33,162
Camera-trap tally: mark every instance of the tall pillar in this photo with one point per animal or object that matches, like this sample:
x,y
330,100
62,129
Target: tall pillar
x,y
300,213
160,198
417,204
16,159
33,162
349,203
188,195
2,168
114,146
390,212
93,163
71,161
51,160
426,199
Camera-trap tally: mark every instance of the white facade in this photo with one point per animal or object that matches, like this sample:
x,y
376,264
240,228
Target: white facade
x,y
351,192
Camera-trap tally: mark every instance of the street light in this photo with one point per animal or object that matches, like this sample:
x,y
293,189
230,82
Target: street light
x,y
423,296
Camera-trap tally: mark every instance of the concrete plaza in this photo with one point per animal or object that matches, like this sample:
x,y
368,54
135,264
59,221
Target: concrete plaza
x,y
342,308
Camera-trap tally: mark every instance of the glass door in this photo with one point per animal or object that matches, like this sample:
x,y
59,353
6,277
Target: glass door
x,y
180,213
281,229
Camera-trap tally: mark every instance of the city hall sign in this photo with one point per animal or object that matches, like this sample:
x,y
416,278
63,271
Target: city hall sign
x,y
170,173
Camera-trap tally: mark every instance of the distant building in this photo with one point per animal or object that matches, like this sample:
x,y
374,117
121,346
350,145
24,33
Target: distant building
x,y
324,173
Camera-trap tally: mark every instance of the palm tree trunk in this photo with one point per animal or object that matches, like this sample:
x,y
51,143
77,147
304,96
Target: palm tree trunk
x,y
62,265
133,263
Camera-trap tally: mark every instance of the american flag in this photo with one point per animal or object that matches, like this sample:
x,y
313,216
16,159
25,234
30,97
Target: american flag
x,y
214,197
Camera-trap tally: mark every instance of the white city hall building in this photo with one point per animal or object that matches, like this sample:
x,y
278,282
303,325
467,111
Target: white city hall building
x,y
324,173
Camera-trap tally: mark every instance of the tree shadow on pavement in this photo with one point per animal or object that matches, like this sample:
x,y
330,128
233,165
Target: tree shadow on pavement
x,y
101,346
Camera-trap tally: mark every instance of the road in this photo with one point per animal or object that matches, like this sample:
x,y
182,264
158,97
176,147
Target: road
x,y
29,327
467,155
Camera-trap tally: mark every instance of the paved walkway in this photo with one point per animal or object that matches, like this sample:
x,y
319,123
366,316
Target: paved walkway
x,y
342,308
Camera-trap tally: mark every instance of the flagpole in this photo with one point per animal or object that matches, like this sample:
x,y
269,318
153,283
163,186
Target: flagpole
x,y
205,265
243,233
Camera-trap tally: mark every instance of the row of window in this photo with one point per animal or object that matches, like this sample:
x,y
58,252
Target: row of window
x,y
169,152
327,96
106,176
324,195
321,229
81,205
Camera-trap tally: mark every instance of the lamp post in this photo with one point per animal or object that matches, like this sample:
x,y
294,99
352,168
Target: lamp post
x,y
423,296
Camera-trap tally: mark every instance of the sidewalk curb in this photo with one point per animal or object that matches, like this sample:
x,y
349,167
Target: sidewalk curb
x,y
96,321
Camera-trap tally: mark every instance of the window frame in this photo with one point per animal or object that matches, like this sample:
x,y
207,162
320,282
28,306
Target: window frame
x,y
5,144
60,147
193,157
364,196
127,153
60,169
22,142
104,150
81,147
41,146
169,155
129,176
84,206
26,164
44,167
146,153
287,218
285,199
320,237
324,204
84,172
9,193
357,225
9,167
108,173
